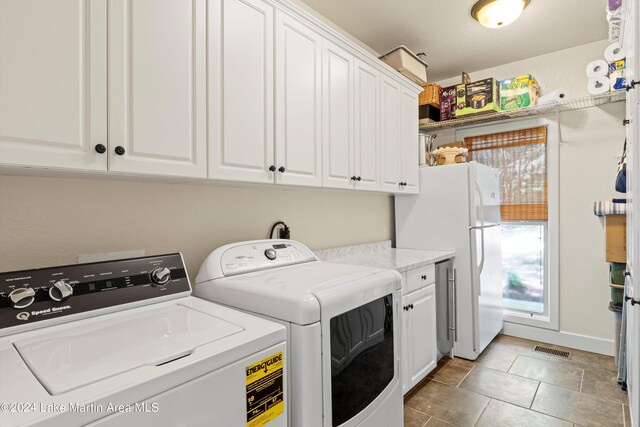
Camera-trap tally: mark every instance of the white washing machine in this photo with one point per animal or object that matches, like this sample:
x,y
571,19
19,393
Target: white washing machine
x,y
343,333
123,343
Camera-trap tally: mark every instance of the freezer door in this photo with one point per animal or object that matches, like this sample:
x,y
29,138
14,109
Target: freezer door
x,y
486,281
484,195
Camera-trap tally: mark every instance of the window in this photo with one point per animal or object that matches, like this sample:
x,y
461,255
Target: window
x,y
521,157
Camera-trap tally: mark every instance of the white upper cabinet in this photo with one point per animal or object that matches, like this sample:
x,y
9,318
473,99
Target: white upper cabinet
x,y
240,77
399,144
157,87
53,88
337,116
391,135
298,91
410,145
234,90
366,165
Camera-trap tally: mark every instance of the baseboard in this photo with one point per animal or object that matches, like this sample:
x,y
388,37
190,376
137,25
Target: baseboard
x,y
566,339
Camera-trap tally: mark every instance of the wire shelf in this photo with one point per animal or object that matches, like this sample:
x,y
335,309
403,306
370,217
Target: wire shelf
x,y
571,104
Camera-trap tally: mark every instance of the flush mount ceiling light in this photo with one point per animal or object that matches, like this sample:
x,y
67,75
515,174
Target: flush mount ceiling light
x,y
497,13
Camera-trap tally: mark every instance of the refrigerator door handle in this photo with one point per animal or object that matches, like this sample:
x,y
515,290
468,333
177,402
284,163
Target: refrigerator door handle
x,y
481,265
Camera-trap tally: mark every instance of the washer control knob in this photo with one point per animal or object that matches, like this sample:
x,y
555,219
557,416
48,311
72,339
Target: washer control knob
x,y
270,254
60,290
22,297
161,275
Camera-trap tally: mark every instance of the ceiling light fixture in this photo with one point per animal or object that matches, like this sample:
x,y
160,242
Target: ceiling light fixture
x,y
497,13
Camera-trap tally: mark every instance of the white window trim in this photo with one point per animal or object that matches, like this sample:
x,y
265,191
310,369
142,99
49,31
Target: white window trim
x,y
549,320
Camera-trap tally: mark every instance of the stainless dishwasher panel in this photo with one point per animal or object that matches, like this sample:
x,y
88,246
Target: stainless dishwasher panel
x,y
445,307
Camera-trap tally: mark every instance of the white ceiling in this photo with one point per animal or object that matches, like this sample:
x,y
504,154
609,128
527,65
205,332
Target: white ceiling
x,y
454,41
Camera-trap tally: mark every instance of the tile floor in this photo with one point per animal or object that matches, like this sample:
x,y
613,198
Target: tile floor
x,y
510,385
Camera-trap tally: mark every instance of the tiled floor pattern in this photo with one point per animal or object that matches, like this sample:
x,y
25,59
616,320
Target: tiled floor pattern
x,y
510,385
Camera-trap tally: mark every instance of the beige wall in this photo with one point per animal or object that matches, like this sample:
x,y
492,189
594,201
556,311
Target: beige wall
x,y
587,173
592,138
50,221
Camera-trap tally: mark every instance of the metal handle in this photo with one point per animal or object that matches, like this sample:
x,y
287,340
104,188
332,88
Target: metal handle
x,y
449,328
633,301
272,168
100,148
120,150
353,178
481,265
453,280
281,169
423,277
359,178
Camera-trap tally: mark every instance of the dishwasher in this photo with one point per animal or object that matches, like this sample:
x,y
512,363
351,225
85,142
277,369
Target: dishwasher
x,y
446,307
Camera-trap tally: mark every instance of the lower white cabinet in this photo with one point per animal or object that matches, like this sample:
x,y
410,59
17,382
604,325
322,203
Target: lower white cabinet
x,y
419,339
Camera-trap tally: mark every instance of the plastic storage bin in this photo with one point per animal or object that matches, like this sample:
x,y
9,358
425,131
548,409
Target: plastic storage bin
x,y
407,63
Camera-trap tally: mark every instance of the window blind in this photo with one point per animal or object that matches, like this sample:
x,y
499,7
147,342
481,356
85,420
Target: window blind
x,y
520,156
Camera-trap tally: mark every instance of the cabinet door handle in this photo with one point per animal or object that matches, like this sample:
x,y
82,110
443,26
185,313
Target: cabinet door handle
x,y
353,178
358,178
424,277
411,306
120,150
281,169
100,148
272,168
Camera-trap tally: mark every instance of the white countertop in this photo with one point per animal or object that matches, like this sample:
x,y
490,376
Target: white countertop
x,y
382,255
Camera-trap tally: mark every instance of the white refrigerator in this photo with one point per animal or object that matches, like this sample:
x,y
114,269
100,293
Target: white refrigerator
x,y
458,209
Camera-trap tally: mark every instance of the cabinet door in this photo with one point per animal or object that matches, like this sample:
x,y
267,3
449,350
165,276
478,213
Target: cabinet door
x,y
404,315
410,146
391,135
157,87
337,117
53,88
421,335
240,78
367,127
298,103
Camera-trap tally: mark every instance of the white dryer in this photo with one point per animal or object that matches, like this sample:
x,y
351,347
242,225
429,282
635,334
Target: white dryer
x,y
123,343
342,327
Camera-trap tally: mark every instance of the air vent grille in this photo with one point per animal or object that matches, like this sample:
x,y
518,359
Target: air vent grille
x,y
552,351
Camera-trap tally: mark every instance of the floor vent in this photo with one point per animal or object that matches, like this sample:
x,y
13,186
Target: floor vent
x,y
552,351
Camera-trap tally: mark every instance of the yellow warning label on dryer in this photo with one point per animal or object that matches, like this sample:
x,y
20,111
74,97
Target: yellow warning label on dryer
x,y
265,390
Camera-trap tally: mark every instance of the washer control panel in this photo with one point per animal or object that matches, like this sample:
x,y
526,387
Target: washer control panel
x,y
262,255
29,296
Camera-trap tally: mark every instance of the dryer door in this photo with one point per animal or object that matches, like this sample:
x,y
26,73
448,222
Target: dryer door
x,y
360,340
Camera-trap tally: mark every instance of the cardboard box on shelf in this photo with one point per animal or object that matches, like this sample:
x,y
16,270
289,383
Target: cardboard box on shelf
x,y
482,96
447,103
519,92
616,238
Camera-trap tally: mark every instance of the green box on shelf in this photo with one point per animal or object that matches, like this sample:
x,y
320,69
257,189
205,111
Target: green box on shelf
x,y
519,92
482,96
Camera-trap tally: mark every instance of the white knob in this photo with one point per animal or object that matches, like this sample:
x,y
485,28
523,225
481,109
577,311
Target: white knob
x,y
22,297
60,290
160,275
